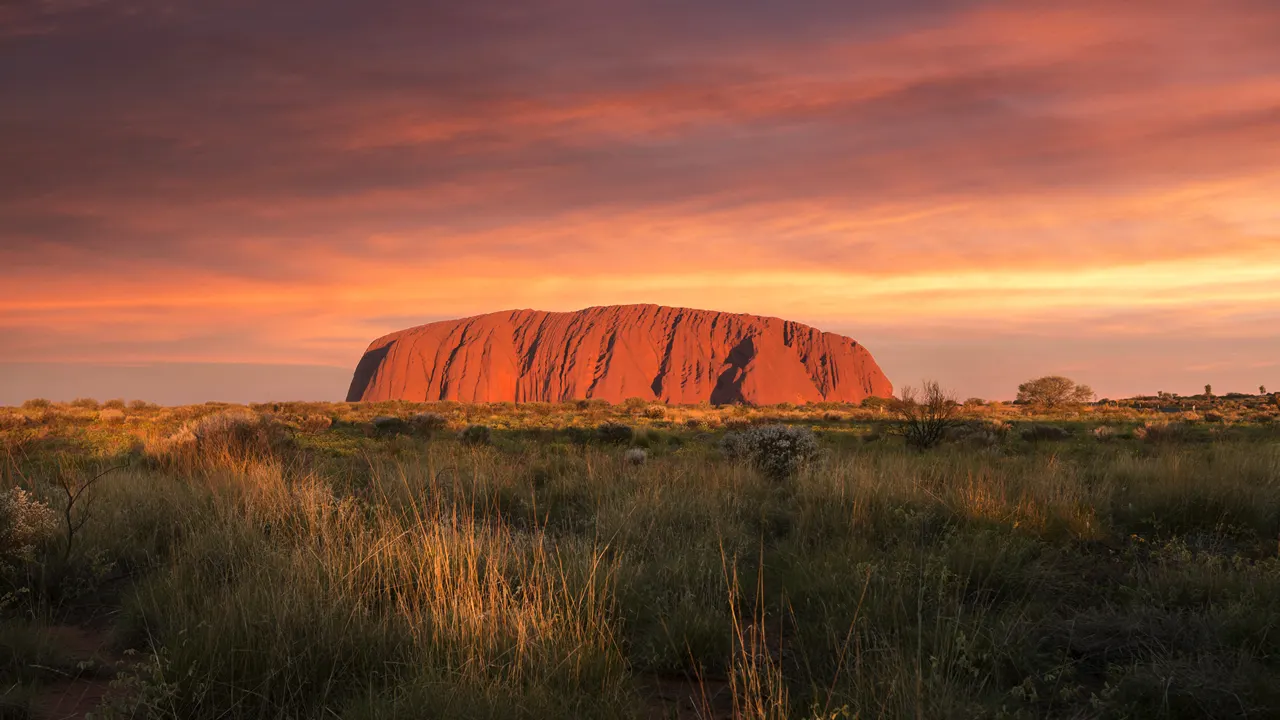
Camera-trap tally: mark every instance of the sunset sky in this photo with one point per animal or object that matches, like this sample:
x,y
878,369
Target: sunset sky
x,y
229,200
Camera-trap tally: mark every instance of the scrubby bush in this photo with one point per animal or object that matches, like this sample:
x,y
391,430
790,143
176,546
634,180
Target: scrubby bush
x,y
615,433
475,435
1214,417
141,405
1104,433
636,456
111,415
428,422
979,433
315,423
875,403
655,412
25,522
1045,433
114,404
37,404
12,420
635,405
85,403
390,425
777,451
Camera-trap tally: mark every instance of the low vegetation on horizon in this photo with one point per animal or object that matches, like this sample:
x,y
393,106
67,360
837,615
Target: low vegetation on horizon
x,y
918,557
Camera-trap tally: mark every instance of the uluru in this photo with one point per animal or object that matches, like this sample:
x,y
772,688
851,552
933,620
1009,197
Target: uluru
x,y
665,354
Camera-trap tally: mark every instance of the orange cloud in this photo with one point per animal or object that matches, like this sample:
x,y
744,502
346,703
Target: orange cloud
x,y
196,187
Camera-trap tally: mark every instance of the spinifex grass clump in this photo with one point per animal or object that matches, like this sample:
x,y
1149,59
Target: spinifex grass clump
x,y
777,451
232,436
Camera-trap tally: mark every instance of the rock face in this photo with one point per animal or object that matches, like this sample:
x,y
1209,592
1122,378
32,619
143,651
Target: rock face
x,y
673,355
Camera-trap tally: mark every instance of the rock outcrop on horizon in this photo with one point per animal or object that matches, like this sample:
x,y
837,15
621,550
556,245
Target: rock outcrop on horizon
x,y
664,354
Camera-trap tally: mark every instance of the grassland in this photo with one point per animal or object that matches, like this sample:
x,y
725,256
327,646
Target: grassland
x,y
304,561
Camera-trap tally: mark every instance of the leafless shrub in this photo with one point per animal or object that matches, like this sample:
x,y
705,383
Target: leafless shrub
x,y
926,414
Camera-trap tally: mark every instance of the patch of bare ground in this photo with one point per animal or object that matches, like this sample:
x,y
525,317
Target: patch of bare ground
x,y
74,696
679,697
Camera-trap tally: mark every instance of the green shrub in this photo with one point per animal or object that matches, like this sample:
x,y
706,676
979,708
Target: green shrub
x,y
475,435
1045,433
389,425
429,422
876,403
615,433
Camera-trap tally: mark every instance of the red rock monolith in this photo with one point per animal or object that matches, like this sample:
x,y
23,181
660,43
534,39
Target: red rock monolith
x,y
664,354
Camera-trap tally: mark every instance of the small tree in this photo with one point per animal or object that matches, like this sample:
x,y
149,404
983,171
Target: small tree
x,y
926,414
1208,391
1054,391
1262,389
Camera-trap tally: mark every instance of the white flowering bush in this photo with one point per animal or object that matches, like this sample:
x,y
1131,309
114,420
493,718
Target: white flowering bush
x,y
777,451
636,456
25,522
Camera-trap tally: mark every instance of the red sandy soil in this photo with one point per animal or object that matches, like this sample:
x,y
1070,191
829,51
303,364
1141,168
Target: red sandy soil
x,y
664,354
